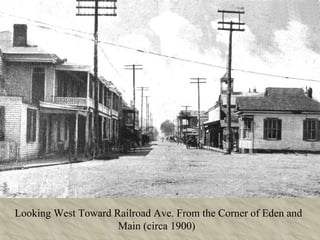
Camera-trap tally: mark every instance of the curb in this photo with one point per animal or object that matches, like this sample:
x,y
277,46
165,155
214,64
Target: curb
x,y
214,149
11,168
38,165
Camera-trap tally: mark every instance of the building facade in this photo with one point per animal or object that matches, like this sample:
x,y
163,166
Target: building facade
x,y
187,123
283,119
215,129
47,105
129,130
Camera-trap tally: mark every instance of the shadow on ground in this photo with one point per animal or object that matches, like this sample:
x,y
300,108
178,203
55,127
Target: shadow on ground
x,y
138,151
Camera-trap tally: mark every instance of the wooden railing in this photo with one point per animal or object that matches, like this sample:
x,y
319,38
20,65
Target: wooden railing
x,y
77,101
74,101
114,113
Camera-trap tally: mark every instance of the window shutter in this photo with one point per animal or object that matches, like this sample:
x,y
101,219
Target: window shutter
x,y
280,129
304,129
34,125
28,125
2,123
264,128
318,131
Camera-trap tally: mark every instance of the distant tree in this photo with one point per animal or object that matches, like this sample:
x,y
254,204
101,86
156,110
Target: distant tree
x,y
167,128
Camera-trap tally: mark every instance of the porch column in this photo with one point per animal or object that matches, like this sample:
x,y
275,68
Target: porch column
x,y
48,134
92,128
252,147
87,133
92,133
88,89
76,136
103,119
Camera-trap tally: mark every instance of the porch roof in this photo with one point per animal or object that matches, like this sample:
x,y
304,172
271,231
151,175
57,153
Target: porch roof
x,y
74,67
31,57
210,123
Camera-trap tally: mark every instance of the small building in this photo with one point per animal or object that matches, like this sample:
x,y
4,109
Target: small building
x,y
215,128
282,119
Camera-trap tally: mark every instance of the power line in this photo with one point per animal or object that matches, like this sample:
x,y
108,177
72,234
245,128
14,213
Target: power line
x,y
49,27
44,23
113,67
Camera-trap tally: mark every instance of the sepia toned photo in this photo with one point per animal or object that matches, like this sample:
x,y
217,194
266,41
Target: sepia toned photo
x,y
159,99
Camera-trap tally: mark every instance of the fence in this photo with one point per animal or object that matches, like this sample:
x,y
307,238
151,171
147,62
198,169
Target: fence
x,y
8,151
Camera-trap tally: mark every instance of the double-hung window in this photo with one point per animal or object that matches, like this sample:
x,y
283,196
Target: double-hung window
x,y
272,129
247,127
311,129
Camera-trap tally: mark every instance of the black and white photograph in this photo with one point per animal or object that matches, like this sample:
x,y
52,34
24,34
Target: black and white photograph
x,y
160,99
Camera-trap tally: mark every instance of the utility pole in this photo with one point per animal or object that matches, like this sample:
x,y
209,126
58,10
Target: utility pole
x,y
134,67
151,125
151,121
142,89
147,114
91,8
231,26
198,81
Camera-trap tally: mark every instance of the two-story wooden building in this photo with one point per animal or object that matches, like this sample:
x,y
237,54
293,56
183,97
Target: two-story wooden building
x,y
187,122
47,105
129,127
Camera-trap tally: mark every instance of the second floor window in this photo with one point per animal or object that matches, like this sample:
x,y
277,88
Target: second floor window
x,y
115,102
100,93
272,129
105,103
38,79
311,129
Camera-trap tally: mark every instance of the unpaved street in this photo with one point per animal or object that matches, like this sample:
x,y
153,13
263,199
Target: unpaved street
x,y
169,170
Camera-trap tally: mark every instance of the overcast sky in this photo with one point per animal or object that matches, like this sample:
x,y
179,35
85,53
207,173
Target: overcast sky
x,y
281,37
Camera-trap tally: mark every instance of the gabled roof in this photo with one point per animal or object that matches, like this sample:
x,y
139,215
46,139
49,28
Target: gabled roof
x,y
234,96
279,99
28,53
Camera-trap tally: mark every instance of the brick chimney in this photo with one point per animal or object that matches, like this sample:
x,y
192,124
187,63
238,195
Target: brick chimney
x,y
19,35
309,92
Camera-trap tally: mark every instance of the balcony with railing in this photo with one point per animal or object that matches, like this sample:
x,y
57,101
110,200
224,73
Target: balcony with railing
x,y
71,101
114,113
104,109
